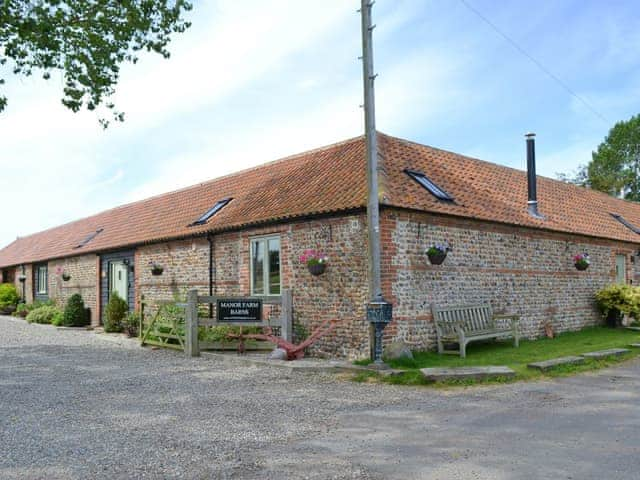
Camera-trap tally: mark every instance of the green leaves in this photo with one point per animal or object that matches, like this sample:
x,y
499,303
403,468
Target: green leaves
x,y
86,40
615,165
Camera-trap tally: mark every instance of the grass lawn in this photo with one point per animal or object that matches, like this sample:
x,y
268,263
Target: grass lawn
x,y
503,353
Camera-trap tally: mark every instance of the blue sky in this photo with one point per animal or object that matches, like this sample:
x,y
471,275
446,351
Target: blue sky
x,y
252,81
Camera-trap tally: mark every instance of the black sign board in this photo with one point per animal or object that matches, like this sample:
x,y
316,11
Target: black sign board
x,y
239,310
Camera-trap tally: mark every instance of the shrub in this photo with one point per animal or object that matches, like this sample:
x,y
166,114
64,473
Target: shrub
x,y
623,298
132,324
8,295
115,313
58,319
43,314
22,310
75,315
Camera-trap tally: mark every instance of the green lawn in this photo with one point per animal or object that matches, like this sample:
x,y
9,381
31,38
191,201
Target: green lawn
x,y
503,353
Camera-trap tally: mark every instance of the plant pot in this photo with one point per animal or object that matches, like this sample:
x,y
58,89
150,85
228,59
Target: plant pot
x,y
66,277
614,318
582,266
22,278
157,271
437,258
317,269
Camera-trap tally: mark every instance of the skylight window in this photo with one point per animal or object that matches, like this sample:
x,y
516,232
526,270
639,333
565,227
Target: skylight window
x,y
431,187
212,211
627,224
89,237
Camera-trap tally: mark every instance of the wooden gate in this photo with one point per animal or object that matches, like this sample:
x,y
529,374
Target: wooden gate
x,y
166,328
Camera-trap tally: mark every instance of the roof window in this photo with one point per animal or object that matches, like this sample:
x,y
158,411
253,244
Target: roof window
x,y
627,224
89,237
431,187
212,211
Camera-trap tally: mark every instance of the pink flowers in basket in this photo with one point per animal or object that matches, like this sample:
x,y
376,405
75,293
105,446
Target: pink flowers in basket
x,y
582,261
315,260
313,257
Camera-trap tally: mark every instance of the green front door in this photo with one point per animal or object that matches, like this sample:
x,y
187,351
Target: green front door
x,y
119,279
621,269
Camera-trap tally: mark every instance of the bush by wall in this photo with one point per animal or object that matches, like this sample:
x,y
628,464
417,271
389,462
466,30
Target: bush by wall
x,y
75,314
44,314
115,314
8,295
623,298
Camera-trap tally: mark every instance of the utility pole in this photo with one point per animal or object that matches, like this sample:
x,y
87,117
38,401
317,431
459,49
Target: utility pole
x,y
379,312
373,208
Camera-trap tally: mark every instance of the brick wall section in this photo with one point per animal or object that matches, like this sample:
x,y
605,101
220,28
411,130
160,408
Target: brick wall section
x,y
339,293
28,284
516,270
84,275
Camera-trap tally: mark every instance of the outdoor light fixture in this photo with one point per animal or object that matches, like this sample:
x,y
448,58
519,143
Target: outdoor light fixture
x,y
379,314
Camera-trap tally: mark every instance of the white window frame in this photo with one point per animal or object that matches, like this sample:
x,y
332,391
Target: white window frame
x,y
39,277
264,239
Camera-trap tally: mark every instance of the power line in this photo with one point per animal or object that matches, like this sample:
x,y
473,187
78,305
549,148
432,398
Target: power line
x,y
537,63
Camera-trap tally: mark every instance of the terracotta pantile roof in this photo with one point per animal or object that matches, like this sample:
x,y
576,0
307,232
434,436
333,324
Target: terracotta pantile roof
x,y
332,179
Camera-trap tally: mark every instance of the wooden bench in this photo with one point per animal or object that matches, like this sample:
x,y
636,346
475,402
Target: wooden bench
x,y
470,323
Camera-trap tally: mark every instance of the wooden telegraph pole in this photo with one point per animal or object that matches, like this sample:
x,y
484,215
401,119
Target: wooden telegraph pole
x,y
379,312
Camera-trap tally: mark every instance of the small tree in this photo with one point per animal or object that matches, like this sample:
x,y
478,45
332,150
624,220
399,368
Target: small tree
x,y
75,314
115,313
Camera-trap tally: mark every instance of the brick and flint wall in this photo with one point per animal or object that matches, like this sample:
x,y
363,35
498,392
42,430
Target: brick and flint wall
x,y
84,276
340,293
517,270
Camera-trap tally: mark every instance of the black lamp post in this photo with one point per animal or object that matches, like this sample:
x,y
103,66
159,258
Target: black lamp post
x,y
379,314
22,278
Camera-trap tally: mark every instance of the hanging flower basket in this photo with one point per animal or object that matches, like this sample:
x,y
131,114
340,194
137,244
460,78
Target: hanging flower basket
x,y
156,269
437,253
317,269
22,278
66,277
582,261
315,260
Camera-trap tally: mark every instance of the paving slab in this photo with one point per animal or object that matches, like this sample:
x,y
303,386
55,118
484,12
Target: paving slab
x,y
611,352
555,362
467,373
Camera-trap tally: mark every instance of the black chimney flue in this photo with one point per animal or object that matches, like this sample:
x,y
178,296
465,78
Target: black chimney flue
x,y
532,189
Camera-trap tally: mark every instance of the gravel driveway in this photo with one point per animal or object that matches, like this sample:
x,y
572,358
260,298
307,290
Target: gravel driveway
x,y
73,406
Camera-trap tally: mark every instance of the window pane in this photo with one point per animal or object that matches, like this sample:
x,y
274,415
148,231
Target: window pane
x,y
257,267
42,279
274,266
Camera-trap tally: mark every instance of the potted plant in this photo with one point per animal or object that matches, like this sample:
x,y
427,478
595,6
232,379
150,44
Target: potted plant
x,y
315,260
438,252
66,276
582,261
156,269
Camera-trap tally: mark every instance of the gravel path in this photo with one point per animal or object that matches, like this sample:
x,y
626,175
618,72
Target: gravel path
x,y
73,406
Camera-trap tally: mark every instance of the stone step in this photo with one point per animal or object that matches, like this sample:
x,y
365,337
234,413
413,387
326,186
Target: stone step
x,y
635,345
467,373
612,352
554,362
